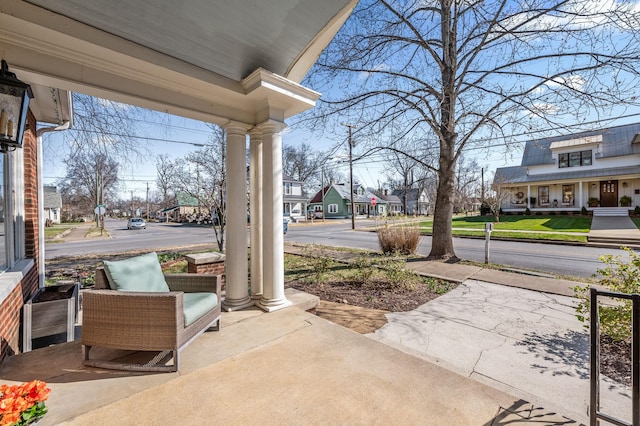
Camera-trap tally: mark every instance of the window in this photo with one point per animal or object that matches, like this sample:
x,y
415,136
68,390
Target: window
x,y
567,194
575,159
543,195
287,188
332,208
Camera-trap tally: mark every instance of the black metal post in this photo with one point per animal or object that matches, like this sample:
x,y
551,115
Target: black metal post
x,y
635,359
594,400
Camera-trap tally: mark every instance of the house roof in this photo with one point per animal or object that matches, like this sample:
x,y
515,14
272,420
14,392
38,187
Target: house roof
x,y
412,193
616,141
185,200
391,199
518,174
343,190
52,198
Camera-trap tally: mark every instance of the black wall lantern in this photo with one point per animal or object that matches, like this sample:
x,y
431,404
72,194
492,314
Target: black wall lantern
x,y
14,104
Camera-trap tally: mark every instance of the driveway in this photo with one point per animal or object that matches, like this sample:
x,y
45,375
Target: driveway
x,y
524,342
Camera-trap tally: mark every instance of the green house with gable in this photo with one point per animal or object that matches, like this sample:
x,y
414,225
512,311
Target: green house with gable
x,y
337,202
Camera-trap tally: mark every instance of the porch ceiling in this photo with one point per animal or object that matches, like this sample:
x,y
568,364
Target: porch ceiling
x,y
208,60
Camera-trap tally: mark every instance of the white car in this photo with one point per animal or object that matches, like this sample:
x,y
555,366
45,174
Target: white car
x,y
136,223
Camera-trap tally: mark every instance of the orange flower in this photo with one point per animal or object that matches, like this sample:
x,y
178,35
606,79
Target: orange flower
x,y
16,399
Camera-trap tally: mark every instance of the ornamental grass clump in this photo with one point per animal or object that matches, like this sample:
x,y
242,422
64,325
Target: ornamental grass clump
x,y
23,404
399,239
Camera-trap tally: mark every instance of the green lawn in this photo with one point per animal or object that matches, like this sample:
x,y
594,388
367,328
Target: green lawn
x,y
523,223
52,231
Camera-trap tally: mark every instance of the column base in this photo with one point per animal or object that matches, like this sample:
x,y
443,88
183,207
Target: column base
x,y
270,305
237,304
256,297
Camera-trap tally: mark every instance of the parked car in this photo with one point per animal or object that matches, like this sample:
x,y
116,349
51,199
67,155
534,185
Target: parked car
x,y
285,225
136,223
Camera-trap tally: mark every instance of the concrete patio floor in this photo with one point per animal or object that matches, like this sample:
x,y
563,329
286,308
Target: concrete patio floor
x,y
286,367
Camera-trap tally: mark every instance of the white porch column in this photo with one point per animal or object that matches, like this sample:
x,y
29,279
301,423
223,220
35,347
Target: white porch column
x,y
580,194
236,265
256,206
529,196
273,297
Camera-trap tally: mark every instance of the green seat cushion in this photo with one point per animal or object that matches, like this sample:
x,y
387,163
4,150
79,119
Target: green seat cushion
x,y
140,273
195,305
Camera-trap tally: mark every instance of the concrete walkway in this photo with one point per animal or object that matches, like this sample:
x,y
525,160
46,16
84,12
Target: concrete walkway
x,y
615,230
523,342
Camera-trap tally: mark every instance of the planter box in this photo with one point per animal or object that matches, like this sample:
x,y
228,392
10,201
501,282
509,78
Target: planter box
x,y
52,310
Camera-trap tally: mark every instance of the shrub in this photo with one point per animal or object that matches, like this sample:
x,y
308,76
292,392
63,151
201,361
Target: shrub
x,y
619,276
527,211
584,211
398,275
319,261
552,213
400,239
363,270
538,213
636,211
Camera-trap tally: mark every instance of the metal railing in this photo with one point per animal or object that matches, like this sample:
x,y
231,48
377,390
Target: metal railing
x,y
594,406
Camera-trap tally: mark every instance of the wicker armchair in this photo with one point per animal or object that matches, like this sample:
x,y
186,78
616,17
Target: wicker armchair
x,y
145,321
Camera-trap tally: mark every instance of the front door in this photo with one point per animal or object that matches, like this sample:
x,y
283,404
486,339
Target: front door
x,y
609,193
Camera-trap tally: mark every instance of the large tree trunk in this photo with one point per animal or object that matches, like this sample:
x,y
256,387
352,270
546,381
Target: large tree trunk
x,y
442,240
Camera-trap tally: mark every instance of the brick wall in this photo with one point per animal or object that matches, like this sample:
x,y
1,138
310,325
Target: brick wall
x,y
31,190
11,306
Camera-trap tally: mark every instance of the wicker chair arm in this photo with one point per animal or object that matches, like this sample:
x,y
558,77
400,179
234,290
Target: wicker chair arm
x,y
132,320
195,283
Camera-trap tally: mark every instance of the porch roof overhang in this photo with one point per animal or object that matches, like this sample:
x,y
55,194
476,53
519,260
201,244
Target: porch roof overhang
x,y
614,172
217,62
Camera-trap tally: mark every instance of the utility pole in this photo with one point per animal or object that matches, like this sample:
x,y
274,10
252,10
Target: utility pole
x,y
322,189
353,211
147,201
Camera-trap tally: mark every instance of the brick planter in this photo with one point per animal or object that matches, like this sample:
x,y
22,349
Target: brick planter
x,y
206,263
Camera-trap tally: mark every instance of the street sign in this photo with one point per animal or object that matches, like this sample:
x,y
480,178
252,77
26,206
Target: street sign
x,y
100,210
373,201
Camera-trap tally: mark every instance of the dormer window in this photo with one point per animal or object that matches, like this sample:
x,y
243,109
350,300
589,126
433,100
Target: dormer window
x,y
575,159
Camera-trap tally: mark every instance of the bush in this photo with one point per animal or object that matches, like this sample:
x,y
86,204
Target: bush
x,y
618,276
636,211
538,213
399,239
527,212
363,270
319,261
398,275
584,211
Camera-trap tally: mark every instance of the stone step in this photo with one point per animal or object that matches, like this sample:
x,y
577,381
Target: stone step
x,y
611,211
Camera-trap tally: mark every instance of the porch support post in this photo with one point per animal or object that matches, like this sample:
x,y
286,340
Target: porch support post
x,y
580,194
529,196
273,297
256,209
236,267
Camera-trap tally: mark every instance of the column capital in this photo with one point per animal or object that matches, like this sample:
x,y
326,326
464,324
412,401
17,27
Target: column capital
x,y
236,128
255,133
271,126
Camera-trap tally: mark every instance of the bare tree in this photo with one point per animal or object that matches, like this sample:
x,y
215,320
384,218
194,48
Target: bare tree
x,y
202,175
468,182
302,163
166,179
91,179
460,74
497,197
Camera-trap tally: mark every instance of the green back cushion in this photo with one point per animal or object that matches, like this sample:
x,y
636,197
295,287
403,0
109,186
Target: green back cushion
x,y
140,273
196,305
